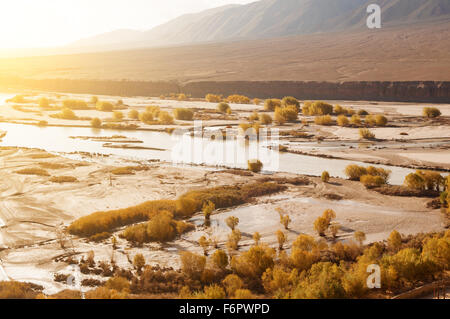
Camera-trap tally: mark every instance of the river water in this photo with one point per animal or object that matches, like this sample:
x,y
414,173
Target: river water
x,y
178,149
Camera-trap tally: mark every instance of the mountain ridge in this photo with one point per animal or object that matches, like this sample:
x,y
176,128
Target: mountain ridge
x,y
271,19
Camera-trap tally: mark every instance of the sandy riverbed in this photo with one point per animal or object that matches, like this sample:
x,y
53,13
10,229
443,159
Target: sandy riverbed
x,y
33,210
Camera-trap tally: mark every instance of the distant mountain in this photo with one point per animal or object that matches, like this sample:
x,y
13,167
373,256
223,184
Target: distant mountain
x,y
164,31
271,19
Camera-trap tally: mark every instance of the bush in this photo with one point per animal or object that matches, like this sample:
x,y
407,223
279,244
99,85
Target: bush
x,y
323,120
228,196
394,240
75,104
378,171
363,113
256,101
255,166
321,224
220,259
232,283
165,118
118,116
17,99
232,222
366,134
99,222
161,228
355,120
317,108
325,177
238,99
372,181
133,114
381,120
342,120
212,98
279,118
370,120
354,172
291,101
183,114
251,264
104,106
323,281
223,107
18,290
153,109
94,99
33,171
96,122
192,265
99,237
339,110
271,104
118,284
432,180
146,117
66,114
414,181
431,112
222,197
288,113
254,117
44,102
265,119
63,179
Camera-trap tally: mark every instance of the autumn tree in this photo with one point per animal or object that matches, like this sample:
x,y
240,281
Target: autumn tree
x,y
232,222
335,229
220,259
139,262
325,177
192,265
321,225
204,243
285,220
256,238
208,208
133,114
360,237
281,237
233,240
232,283
395,240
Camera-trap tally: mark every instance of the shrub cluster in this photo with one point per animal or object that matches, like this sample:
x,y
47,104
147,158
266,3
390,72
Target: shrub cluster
x,y
183,114
271,104
105,106
213,98
317,108
75,104
286,114
238,99
324,120
185,206
356,172
161,228
223,107
425,180
431,112
255,166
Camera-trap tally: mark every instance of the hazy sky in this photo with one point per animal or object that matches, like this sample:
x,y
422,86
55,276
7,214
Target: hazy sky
x,y
42,23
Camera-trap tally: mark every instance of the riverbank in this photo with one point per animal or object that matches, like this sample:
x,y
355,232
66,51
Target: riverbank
x,y
36,210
